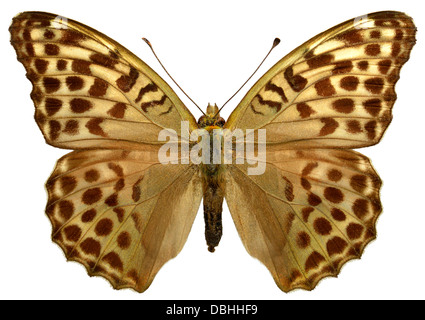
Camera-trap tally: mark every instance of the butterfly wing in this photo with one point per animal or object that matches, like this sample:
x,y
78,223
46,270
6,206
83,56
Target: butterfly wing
x,y
121,213
113,206
335,90
317,203
88,90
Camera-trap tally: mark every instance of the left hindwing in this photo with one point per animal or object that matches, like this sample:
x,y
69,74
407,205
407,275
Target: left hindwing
x,y
335,90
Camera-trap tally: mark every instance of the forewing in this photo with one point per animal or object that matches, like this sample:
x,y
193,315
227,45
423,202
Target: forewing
x,y
335,90
88,90
121,213
308,214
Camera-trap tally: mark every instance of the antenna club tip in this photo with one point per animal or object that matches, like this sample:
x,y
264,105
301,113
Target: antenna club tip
x,y
276,41
147,41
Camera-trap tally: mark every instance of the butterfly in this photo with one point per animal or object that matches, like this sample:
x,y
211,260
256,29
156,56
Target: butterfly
x,y
122,213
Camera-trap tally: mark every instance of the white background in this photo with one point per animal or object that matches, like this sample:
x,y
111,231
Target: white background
x,y
210,47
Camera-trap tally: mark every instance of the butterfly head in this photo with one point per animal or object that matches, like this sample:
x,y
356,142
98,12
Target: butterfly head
x,y
211,118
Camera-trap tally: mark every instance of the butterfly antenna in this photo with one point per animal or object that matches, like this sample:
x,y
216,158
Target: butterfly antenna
x,y
153,51
276,41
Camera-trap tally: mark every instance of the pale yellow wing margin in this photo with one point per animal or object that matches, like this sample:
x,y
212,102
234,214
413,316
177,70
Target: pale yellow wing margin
x,y
88,90
308,214
335,90
120,213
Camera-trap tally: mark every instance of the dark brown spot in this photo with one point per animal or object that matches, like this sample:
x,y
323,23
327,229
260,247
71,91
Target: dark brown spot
x,y
124,240
297,82
93,125
398,35
133,275
372,106
81,66
91,196
72,233
74,83
334,175
303,240
304,110
91,175
352,36
112,200
137,221
136,192
53,106
48,34
151,104
54,129
336,245
119,185
88,216
80,105
343,105
51,49
305,183
320,60
360,208
324,88
274,88
125,83
342,67
71,36
104,227
116,168
353,126
66,209
51,84
329,127
313,261
26,35
68,184
120,214
71,127
395,49
363,65
358,182
375,34
322,226
41,65
309,168
61,65
384,66
314,199
99,88
349,83
354,231
333,195
91,246
289,189
370,128
103,60
306,213
338,214
30,49
113,260
373,49
118,110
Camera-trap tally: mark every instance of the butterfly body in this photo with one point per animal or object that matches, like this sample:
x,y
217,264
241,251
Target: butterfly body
x,y
119,210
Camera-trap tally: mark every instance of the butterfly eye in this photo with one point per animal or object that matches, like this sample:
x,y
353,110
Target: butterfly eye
x,y
202,121
220,122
